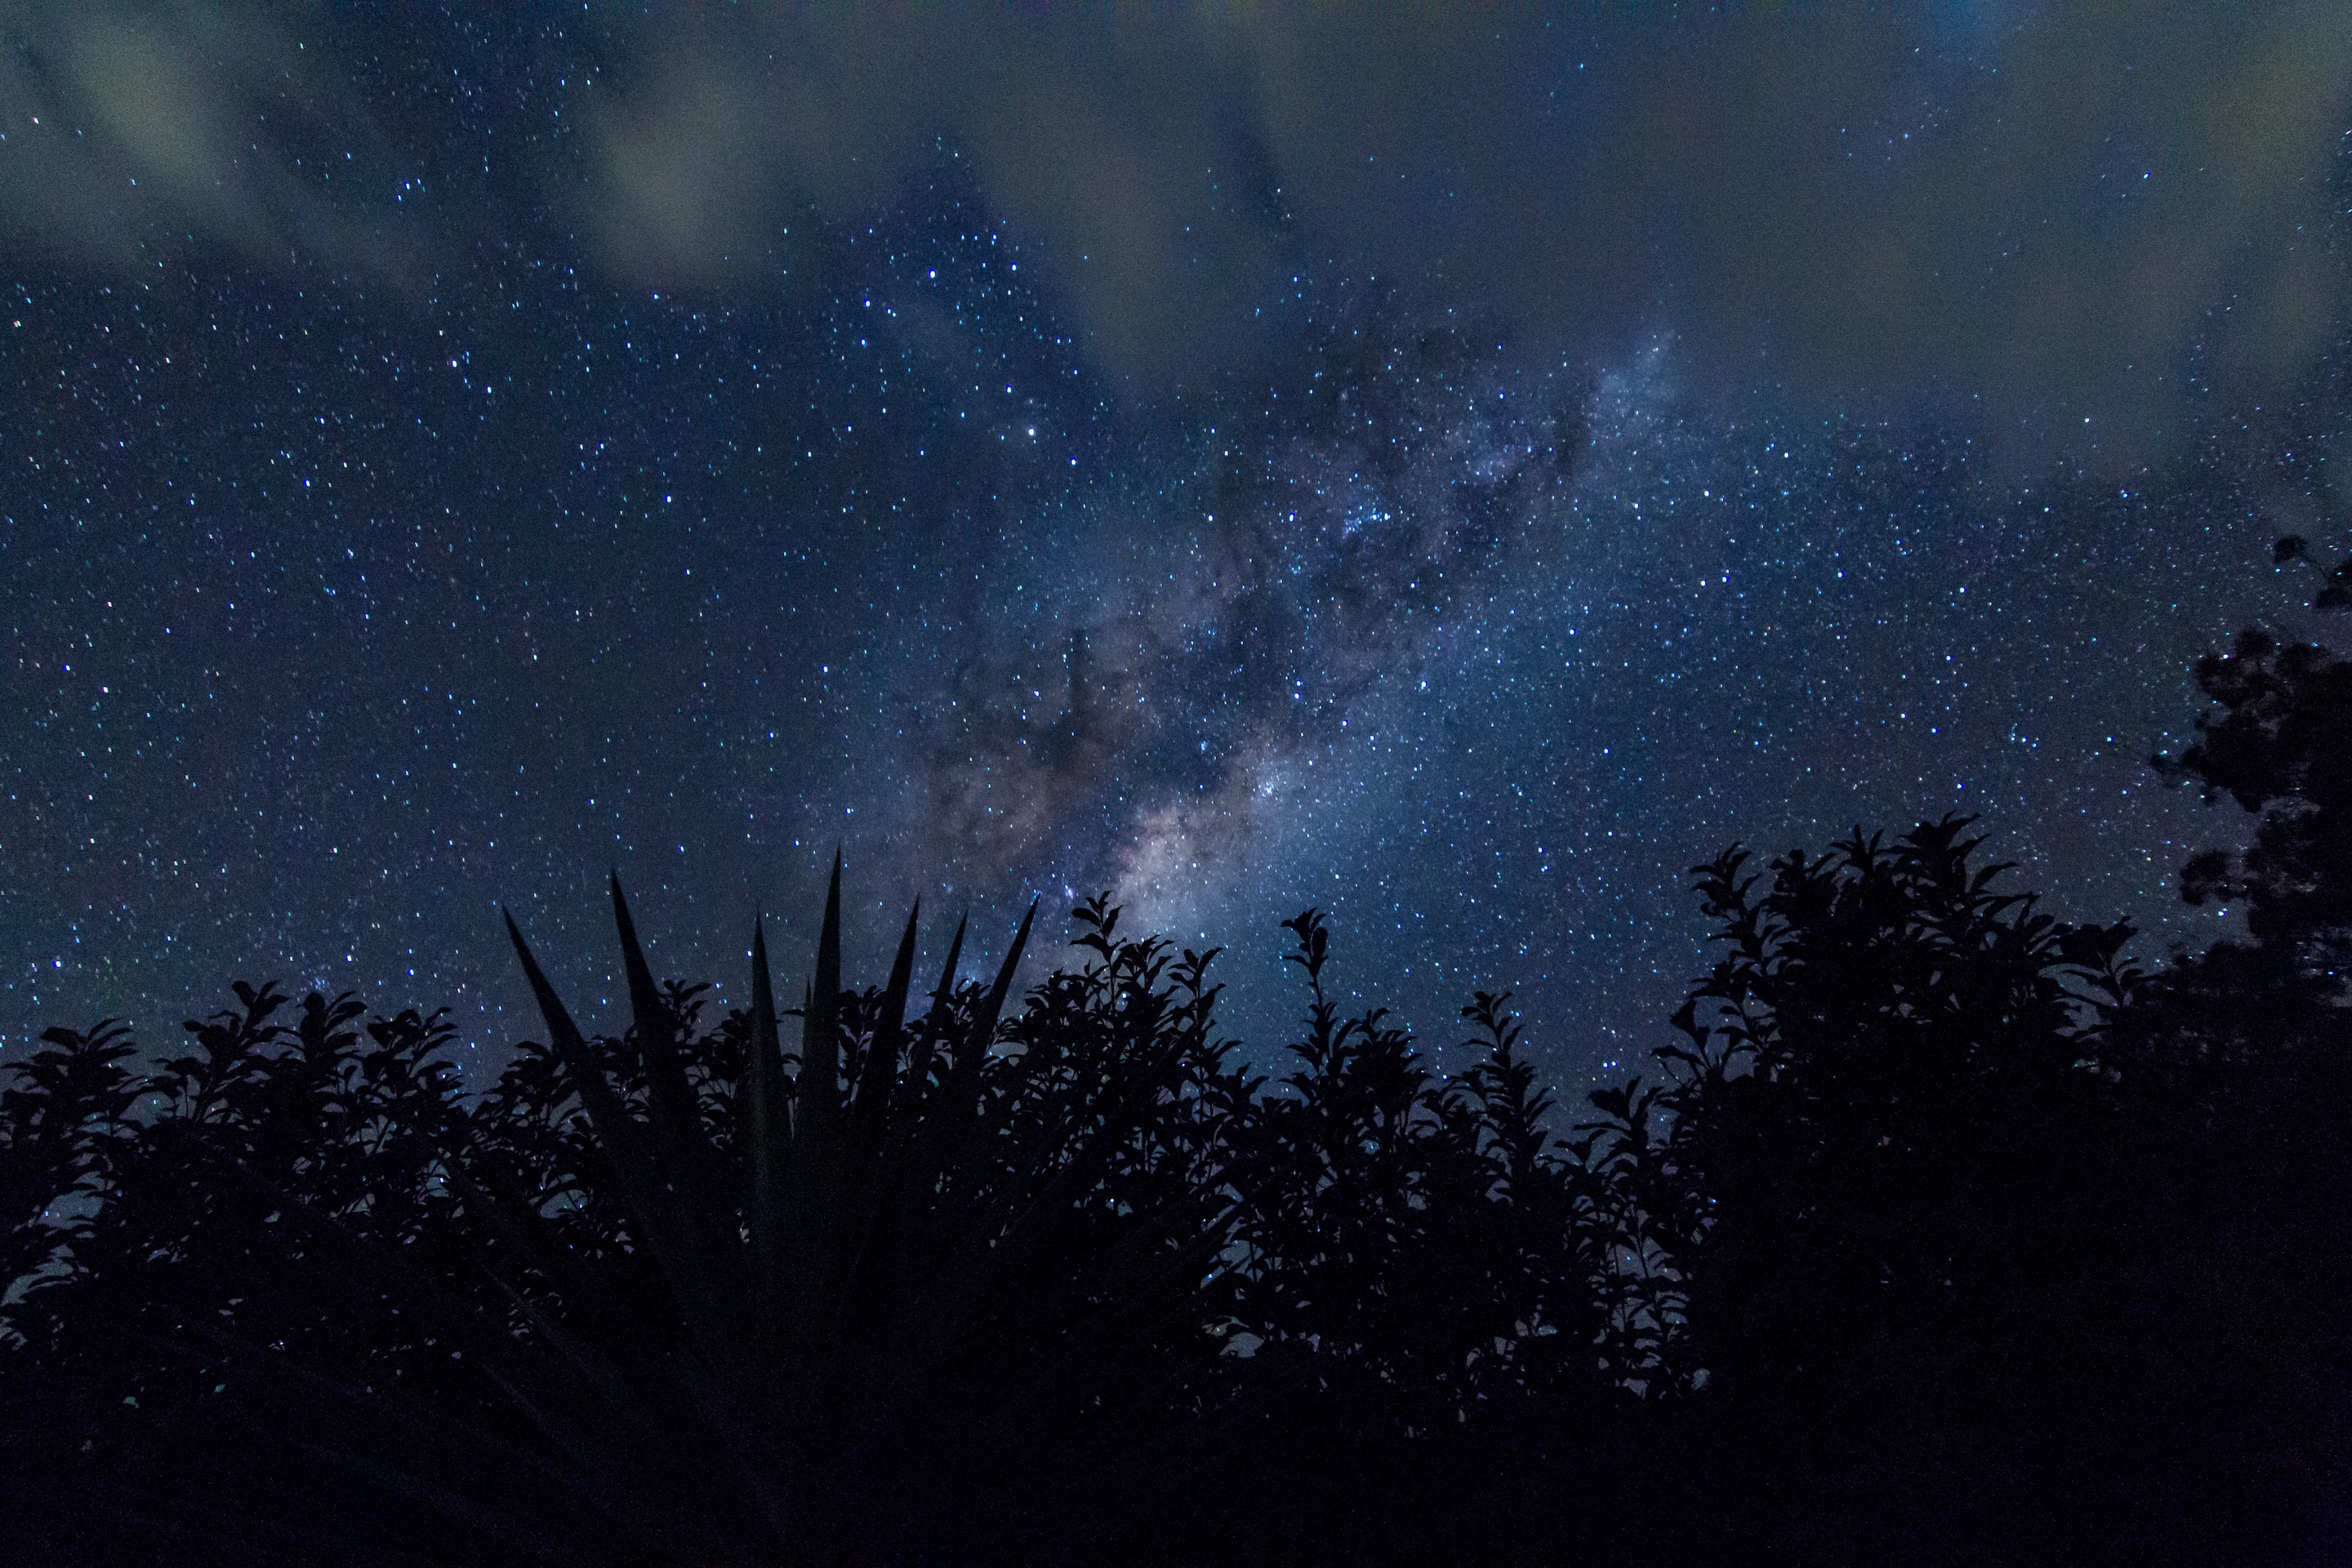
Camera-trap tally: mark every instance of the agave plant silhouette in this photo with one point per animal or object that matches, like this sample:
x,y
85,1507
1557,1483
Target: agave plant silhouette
x,y
843,1309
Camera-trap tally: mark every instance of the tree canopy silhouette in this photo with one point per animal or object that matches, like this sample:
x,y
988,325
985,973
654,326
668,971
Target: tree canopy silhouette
x,y
1944,1233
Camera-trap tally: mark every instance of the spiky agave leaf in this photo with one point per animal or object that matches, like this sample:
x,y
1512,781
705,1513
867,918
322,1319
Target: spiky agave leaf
x,y
819,1099
922,1056
668,1227
766,1130
687,1157
958,1126
871,1109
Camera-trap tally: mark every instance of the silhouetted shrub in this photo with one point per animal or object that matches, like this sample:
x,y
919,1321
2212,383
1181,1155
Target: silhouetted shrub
x,y
977,1282
1945,1235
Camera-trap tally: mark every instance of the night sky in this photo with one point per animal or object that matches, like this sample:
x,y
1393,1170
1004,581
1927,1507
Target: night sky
x,y
1454,473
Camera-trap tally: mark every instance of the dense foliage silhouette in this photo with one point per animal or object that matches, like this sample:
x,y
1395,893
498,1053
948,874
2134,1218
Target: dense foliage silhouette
x,y
1943,1234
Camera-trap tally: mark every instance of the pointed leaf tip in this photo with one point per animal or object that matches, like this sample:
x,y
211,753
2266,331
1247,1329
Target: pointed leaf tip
x,y
644,997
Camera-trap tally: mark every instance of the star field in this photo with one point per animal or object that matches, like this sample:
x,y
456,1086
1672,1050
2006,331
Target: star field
x,y
344,608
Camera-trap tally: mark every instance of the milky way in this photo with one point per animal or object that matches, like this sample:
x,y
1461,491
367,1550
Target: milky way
x,y
341,609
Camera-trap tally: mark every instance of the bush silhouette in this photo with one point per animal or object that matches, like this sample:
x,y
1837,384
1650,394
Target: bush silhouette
x,y
944,1285
1945,1234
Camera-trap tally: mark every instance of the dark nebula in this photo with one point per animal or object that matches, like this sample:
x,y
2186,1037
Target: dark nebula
x,y
1458,479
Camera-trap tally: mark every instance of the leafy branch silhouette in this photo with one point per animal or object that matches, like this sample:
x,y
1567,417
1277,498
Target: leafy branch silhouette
x,y
1943,1231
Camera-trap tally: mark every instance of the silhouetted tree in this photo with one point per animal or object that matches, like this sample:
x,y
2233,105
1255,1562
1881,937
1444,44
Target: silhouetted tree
x,y
1879,1182
1946,1236
2247,1047
2278,742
